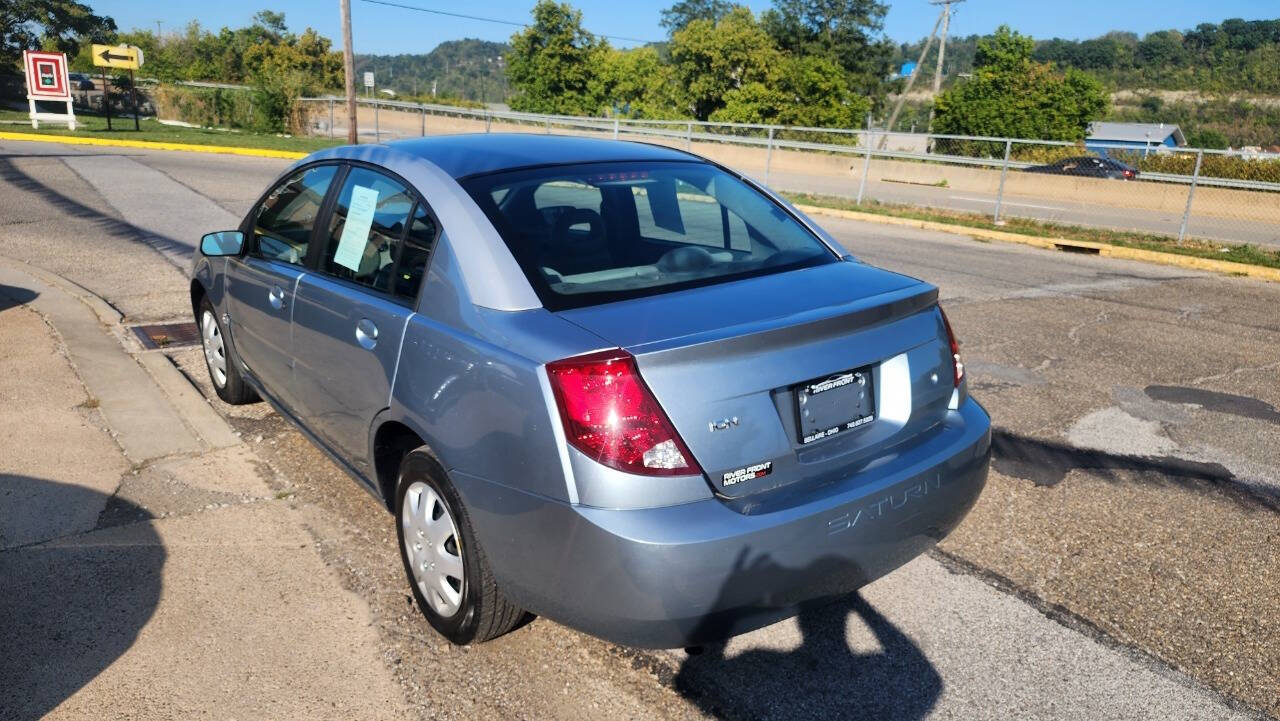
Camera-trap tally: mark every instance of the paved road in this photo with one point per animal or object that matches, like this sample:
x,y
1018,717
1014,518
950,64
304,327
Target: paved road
x,y
1122,563
1062,210
1220,226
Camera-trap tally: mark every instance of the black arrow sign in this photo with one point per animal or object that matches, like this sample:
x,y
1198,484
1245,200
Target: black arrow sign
x,y
106,55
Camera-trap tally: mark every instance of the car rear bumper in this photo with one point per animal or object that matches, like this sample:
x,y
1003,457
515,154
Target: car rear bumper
x,y
687,574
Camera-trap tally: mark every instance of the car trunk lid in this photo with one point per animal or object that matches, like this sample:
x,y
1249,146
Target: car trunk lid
x,y
725,362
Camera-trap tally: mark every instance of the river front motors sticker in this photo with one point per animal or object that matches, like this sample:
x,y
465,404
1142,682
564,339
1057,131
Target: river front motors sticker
x,y
750,473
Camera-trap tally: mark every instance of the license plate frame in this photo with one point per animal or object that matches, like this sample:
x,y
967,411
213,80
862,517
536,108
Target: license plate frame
x,y
834,405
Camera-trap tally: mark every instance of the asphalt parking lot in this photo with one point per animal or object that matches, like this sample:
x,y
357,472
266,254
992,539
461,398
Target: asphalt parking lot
x,y
1122,563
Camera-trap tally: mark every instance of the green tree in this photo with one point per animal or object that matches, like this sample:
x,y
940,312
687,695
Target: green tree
x,y
278,65
712,59
1207,138
1010,95
271,21
60,25
282,72
849,32
678,16
636,83
552,63
807,91
1161,48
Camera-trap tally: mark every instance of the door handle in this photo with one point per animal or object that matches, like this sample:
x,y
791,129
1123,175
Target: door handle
x,y
366,334
275,296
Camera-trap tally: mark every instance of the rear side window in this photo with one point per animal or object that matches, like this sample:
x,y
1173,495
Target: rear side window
x,y
284,221
599,233
366,230
414,253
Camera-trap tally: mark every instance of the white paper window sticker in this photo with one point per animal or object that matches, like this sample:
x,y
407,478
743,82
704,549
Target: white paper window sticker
x,y
355,234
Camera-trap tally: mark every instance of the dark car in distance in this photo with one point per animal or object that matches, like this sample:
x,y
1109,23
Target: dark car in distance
x,y
1088,167
81,81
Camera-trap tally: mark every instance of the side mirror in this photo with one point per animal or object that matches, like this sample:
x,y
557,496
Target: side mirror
x,y
224,242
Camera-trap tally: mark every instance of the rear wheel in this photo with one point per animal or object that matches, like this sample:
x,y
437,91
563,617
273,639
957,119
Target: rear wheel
x,y
446,568
220,357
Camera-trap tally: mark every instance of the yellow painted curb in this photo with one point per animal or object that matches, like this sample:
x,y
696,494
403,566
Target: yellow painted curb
x,y
153,145
1111,251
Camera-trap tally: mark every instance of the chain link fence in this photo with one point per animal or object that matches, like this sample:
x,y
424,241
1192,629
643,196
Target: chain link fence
x,y
1192,195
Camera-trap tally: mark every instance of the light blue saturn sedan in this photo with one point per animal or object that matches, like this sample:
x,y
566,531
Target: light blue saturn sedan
x,y
610,383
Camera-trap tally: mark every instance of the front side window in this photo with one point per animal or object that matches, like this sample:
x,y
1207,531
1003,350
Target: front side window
x,y
366,228
284,221
599,233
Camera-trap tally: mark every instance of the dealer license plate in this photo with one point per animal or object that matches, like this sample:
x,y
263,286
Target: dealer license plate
x,y
836,404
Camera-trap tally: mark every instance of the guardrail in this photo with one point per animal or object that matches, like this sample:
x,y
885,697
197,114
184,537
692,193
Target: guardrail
x,y
1229,209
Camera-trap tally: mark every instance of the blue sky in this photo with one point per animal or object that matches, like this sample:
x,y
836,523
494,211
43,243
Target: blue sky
x,y
382,30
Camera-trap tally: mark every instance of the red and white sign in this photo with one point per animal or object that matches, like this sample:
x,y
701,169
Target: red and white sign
x,y
47,80
47,75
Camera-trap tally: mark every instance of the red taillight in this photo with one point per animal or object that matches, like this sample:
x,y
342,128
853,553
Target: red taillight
x,y
610,415
1128,174
956,364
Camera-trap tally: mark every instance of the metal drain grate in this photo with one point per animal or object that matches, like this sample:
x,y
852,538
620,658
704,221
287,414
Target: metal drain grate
x,y
167,335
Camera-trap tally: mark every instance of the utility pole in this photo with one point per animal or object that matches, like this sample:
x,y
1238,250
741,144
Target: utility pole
x,y
942,42
942,52
911,81
944,22
349,69
159,30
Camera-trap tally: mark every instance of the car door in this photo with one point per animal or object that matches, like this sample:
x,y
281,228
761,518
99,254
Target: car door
x,y
349,316
1095,168
261,283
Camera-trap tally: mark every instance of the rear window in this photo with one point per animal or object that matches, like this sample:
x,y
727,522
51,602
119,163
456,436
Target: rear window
x,y
599,233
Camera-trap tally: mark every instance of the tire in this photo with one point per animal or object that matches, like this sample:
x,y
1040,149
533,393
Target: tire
x,y
436,537
220,358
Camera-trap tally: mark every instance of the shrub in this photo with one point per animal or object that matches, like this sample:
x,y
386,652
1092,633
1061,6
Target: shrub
x,y
1045,154
206,107
1214,166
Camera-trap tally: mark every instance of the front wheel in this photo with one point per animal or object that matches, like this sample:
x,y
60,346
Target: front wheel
x,y
220,357
446,568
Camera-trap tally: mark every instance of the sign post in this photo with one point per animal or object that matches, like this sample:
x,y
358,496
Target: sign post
x,y
121,57
47,81
133,89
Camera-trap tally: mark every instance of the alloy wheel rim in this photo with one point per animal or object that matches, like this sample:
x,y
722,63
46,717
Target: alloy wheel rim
x,y
215,353
433,549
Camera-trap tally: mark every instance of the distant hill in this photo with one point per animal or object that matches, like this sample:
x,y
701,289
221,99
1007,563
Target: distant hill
x,y
467,69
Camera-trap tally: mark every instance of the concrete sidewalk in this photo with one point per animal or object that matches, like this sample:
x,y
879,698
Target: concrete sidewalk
x,y
148,570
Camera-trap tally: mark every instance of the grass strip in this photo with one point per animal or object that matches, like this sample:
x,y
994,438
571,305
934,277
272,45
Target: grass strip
x,y
93,126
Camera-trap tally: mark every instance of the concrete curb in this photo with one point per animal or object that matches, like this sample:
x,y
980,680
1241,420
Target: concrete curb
x,y
154,145
1110,251
191,404
150,405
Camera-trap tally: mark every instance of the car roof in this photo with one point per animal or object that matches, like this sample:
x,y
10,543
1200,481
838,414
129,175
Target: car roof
x,y
479,153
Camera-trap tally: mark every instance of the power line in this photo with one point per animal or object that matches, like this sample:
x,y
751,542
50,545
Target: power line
x,y
487,20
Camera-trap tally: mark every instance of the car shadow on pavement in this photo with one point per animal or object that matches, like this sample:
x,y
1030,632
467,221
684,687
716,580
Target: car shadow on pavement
x,y
11,296
70,606
1047,463
824,677
17,177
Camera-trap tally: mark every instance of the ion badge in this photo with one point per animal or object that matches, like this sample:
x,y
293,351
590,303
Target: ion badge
x,y
750,473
